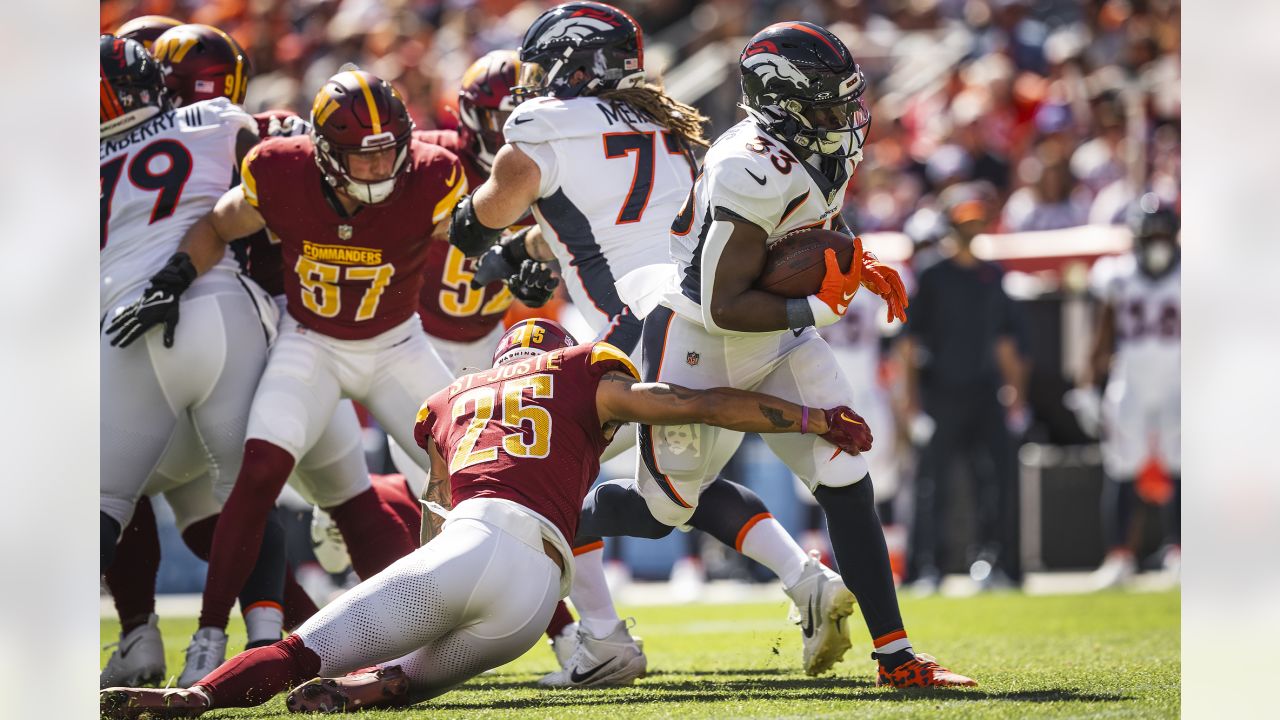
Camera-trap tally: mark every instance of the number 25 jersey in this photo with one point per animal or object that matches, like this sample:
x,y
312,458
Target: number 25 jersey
x,y
526,431
355,276
156,180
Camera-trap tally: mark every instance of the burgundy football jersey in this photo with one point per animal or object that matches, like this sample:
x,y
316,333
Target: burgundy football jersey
x,y
526,431
354,276
449,308
262,259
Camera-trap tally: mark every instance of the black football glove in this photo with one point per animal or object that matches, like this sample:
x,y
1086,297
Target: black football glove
x,y
501,261
158,304
534,284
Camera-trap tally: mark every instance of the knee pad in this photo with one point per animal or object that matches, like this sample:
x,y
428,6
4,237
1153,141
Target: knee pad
x,y
842,471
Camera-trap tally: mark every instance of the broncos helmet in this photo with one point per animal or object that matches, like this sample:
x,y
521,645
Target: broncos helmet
x,y
530,338
130,85
605,43
801,83
202,62
1155,230
485,102
146,28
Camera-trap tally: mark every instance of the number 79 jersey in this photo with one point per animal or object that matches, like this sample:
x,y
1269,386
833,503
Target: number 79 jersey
x,y
156,180
612,180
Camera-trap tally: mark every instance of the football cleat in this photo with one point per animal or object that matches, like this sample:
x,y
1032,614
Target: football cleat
x,y
919,672
122,703
370,688
1116,570
616,659
821,602
327,543
565,645
208,650
138,658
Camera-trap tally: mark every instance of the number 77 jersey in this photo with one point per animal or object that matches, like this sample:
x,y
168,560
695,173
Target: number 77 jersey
x,y
156,180
350,277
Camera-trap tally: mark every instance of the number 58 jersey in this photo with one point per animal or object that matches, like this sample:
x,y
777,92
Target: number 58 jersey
x,y
156,180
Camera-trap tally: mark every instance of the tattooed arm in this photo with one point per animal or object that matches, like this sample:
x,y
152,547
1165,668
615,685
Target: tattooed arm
x,y
622,398
437,491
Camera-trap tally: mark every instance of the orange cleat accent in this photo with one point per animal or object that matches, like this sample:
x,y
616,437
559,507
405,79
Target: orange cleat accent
x,y
922,671
373,688
120,703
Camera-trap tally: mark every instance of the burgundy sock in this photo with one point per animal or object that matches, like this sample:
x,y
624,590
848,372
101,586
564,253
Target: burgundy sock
x,y
240,527
395,492
375,534
132,575
199,536
298,605
560,619
255,676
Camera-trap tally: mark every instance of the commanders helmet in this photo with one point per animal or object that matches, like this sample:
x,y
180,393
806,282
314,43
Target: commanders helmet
x,y
358,113
130,85
801,83
605,43
530,338
202,62
146,28
485,102
1155,231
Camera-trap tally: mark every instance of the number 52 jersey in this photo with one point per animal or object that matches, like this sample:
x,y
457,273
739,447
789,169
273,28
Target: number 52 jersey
x,y
156,180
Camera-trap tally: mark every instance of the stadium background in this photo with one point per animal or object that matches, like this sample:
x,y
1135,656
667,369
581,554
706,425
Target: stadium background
x,y
1068,108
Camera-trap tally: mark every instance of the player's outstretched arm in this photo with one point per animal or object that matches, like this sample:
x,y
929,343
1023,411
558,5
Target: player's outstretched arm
x,y
232,218
622,398
479,219
437,491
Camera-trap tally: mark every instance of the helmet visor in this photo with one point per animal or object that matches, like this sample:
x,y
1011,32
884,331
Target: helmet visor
x,y
530,81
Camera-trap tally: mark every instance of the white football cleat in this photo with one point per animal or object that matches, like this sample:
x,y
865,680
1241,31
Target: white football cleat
x,y
565,645
327,543
821,602
617,659
208,650
138,659
1116,570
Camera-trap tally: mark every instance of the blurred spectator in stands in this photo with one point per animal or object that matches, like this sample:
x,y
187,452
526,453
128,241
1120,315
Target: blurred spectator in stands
x,y
966,377
1049,198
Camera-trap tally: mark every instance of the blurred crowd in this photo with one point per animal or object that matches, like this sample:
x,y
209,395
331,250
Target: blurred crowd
x,y
1068,109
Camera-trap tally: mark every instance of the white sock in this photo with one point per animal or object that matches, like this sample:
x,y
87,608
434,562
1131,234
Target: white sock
x,y
768,543
264,621
590,594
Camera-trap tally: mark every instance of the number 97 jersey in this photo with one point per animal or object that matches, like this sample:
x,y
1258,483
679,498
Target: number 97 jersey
x,y
156,180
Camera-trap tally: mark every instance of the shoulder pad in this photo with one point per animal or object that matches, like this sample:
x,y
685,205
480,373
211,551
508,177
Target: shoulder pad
x,y
544,119
612,357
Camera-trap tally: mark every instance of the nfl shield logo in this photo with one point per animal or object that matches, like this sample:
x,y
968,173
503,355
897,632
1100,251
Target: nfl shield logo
x,y
344,232
692,358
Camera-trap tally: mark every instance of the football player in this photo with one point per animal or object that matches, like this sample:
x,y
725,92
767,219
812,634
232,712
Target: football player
x,y
604,161
516,447
146,28
354,205
784,168
1137,349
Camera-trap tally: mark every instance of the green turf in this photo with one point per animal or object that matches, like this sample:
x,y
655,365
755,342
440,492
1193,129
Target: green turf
x,y
1104,655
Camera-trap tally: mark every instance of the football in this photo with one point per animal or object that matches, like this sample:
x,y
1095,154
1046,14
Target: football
x,y
795,266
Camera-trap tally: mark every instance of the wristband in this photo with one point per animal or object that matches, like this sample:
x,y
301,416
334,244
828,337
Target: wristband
x,y
799,314
804,420
514,250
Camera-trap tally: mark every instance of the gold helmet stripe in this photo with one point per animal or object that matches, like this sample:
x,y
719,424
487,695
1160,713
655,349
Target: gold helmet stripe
x,y
373,107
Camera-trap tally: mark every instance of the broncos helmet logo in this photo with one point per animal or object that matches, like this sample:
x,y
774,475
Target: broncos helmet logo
x,y
768,66
574,28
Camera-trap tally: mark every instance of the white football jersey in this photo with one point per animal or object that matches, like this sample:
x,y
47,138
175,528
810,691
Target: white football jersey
x,y
156,180
612,181
1148,315
752,174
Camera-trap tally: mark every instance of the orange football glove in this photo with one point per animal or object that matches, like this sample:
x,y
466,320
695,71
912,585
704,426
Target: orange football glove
x,y
839,287
884,281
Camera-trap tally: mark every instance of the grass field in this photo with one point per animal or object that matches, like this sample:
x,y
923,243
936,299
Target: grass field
x,y
1105,655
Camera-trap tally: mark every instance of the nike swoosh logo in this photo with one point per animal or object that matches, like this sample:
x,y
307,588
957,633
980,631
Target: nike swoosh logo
x,y
452,177
124,649
849,419
840,309
849,296
807,627
521,120
755,177
577,677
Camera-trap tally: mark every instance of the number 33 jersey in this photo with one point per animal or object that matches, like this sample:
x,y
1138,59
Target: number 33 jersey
x,y
350,277
612,180
526,431
156,180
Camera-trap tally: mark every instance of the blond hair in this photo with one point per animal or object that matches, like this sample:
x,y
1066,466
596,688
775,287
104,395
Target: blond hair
x,y
652,100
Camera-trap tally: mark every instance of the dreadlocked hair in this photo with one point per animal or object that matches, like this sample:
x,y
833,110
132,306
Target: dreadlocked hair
x,y
651,99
